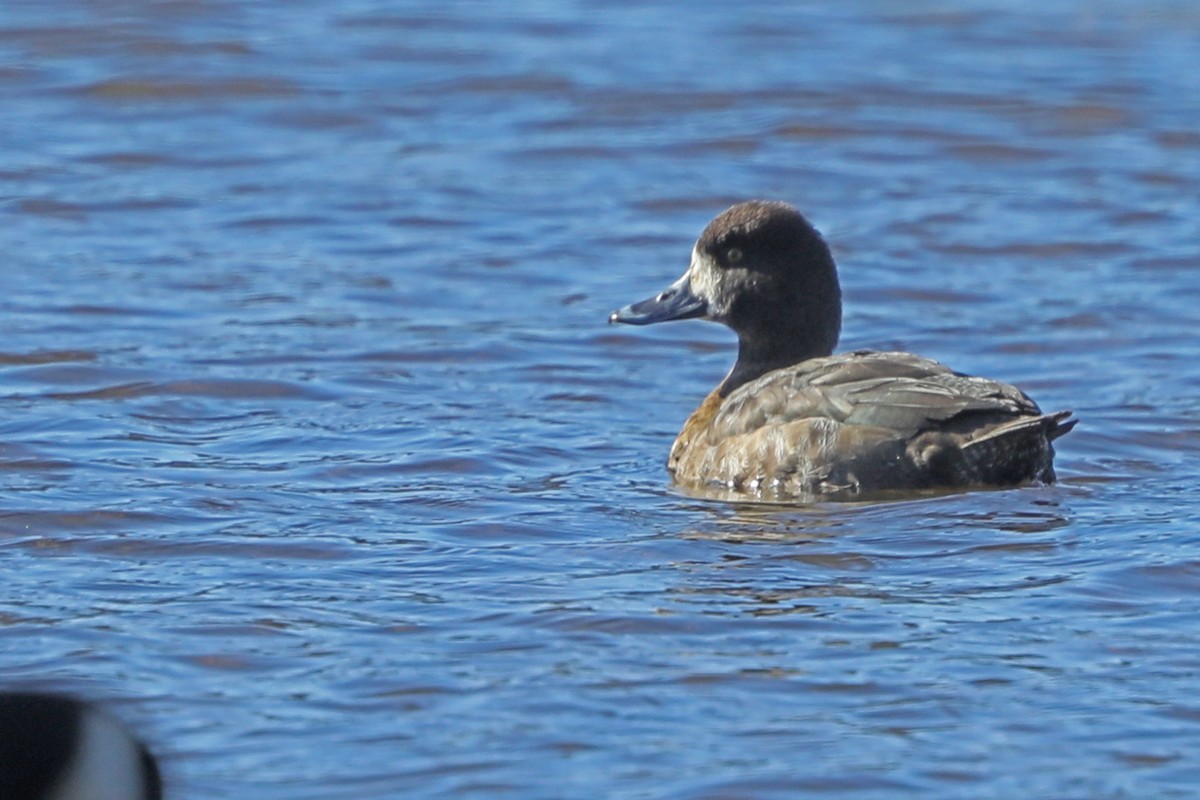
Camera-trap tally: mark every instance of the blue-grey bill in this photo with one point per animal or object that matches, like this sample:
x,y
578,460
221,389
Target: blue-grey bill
x,y
677,301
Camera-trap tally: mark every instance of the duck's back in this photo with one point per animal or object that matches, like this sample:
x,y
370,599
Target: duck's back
x,y
865,422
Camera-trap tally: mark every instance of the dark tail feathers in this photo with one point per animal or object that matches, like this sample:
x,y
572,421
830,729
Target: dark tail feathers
x,y
1057,424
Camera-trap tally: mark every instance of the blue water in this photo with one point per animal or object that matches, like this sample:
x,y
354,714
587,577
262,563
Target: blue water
x,y
321,468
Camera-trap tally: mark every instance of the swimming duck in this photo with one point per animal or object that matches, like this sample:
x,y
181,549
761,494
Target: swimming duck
x,y
792,420
59,748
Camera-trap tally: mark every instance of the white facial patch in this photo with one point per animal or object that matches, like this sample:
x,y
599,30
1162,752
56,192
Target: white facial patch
x,y
705,279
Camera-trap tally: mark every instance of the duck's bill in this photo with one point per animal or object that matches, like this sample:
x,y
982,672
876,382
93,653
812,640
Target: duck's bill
x,y
677,301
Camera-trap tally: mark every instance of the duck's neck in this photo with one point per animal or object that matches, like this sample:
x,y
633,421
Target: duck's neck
x,y
754,363
760,354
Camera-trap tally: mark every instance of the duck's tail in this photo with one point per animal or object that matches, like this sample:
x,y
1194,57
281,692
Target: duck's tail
x,y
1051,426
1019,450
1057,424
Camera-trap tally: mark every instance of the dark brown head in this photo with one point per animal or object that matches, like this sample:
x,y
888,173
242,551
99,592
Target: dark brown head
x,y
764,271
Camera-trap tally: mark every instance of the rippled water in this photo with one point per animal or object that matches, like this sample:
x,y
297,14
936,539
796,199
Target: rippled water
x,y
321,466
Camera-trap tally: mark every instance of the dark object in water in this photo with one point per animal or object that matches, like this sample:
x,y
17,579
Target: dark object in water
x,y
59,748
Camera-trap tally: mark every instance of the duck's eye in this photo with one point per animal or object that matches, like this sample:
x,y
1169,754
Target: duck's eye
x,y
733,255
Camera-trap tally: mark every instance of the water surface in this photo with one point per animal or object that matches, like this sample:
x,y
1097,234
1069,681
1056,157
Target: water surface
x,y
321,466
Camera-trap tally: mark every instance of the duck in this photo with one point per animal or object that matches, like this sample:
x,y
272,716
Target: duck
x,y
56,747
792,419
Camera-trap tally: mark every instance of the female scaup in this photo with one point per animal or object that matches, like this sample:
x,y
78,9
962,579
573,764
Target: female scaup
x,y
792,420
58,748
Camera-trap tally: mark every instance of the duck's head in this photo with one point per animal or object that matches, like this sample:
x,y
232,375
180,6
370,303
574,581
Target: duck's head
x,y
763,270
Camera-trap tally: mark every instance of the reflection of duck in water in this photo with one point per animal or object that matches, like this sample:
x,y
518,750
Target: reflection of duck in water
x,y
56,748
791,419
